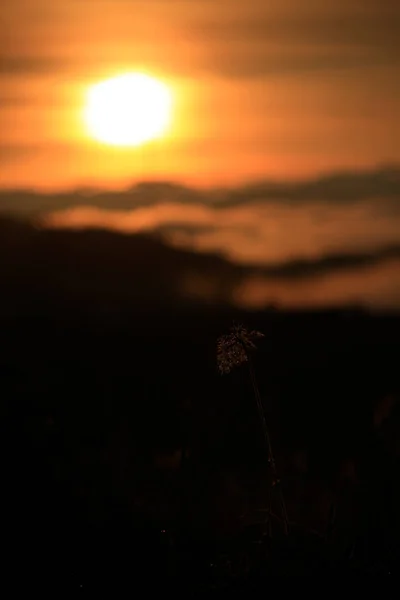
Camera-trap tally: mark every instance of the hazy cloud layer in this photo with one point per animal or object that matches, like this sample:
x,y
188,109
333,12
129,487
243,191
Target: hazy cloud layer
x,y
250,234
375,286
263,223
338,188
231,38
335,239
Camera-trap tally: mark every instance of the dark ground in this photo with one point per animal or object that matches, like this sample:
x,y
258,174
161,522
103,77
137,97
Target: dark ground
x,y
95,396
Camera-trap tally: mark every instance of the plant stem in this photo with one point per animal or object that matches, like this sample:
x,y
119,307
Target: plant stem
x,y
271,459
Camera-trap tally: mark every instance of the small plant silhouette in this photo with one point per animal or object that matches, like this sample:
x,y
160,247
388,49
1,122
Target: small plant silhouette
x,y
233,350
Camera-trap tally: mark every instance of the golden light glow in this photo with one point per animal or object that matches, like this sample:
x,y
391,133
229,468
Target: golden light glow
x,y
128,110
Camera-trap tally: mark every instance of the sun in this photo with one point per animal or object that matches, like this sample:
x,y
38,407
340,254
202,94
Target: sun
x,y
128,110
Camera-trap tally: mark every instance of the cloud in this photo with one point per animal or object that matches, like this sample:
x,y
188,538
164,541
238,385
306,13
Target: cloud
x,y
303,268
264,39
344,187
376,287
27,63
232,39
340,27
248,234
259,224
264,241
11,152
341,188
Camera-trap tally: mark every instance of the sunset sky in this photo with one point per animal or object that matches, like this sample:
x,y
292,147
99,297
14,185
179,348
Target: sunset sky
x,y
288,91
264,87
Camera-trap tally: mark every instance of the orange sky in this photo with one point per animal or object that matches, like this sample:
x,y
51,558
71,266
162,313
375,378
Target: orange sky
x,y
286,88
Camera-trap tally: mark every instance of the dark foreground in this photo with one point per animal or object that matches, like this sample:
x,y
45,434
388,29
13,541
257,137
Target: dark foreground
x,y
127,457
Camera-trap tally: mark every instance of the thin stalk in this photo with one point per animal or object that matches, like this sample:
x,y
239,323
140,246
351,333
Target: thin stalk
x,y
271,458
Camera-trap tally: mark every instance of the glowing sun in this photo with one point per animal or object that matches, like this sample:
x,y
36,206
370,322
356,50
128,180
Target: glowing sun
x,y
128,110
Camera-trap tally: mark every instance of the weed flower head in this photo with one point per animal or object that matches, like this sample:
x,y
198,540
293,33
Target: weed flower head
x,y
233,348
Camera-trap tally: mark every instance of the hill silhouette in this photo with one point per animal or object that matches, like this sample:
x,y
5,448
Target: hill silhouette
x,y
100,272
